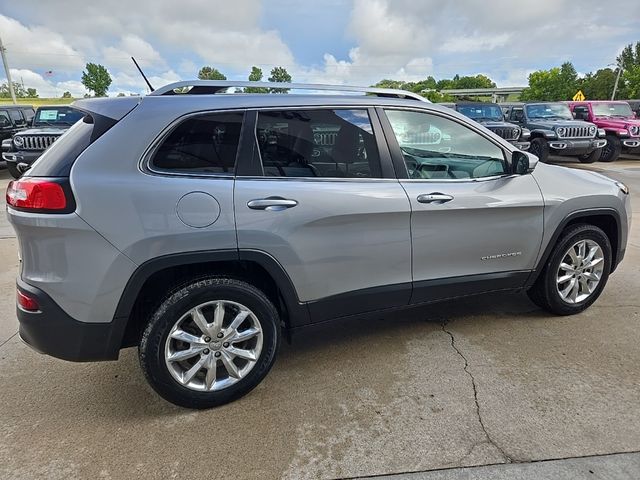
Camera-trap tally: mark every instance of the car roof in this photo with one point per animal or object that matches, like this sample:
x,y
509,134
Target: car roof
x,y
13,107
117,107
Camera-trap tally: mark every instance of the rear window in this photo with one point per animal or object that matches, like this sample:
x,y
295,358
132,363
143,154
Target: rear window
x,y
57,116
206,144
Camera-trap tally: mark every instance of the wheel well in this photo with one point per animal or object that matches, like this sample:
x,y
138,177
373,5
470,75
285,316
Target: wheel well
x,y
159,285
608,224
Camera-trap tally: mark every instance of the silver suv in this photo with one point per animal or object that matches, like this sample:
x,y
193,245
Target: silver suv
x,y
202,226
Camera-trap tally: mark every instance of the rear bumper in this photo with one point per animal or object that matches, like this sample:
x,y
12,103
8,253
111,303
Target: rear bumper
x,y
53,332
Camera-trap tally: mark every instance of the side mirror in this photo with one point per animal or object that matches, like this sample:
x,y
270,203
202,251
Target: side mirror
x,y
523,162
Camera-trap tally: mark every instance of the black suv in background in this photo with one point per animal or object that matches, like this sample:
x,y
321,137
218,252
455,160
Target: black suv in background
x,y
27,145
554,130
14,118
490,116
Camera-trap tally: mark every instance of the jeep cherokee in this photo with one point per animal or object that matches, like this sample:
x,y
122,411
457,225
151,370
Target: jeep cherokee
x,y
201,227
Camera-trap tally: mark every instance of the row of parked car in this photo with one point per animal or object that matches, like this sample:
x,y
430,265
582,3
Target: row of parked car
x,y
590,130
26,133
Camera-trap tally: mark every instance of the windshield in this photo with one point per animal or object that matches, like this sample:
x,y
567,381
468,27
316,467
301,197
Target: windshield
x,y
481,112
555,111
57,116
612,110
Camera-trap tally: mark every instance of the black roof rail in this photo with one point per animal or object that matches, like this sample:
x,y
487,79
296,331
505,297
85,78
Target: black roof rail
x,y
211,87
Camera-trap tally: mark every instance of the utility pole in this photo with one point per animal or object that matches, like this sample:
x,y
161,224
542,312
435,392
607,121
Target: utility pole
x,y
6,69
615,87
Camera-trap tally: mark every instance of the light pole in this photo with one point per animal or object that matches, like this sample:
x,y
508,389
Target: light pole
x,y
615,85
6,69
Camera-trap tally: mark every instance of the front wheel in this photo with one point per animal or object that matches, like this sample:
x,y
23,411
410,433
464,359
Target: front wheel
x,y
210,342
612,150
591,157
540,148
13,170
576,272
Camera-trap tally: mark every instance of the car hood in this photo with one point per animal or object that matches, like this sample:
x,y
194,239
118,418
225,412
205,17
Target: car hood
x,y
44,131
496,124
617,122
552,124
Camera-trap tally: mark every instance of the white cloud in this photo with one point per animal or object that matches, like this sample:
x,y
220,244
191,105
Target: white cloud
x,y
475,43
38,48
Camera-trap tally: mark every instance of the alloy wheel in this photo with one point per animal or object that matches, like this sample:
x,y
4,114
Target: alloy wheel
x,y
580,271
213,345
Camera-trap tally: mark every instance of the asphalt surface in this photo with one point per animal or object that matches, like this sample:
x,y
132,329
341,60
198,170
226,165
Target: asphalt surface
x,y
488,380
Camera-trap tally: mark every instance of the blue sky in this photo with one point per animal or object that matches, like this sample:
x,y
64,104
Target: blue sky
x,y
332,41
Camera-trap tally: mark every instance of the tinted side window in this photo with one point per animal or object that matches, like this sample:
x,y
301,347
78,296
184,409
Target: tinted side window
x,y
517,115
318,143
16,115
203,144
4,119
435,147
28,114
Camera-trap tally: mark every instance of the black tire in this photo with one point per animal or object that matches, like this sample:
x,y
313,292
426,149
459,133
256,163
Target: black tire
x,y
152,345
544,292
13,170
591,157
612,150
540,148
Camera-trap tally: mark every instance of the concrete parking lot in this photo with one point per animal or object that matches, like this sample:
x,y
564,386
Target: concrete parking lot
x,y
479,381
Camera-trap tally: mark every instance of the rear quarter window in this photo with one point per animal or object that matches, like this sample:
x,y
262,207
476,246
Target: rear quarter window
x,y
205,144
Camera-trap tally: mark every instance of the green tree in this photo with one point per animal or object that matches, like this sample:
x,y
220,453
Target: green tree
x,y
631,80
558,83
121,94
66,95
280,75
210,73
629,56
599,85
96,79
477,81
32,93
256,76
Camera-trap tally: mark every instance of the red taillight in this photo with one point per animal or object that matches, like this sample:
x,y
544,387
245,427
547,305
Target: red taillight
x,y
27,302
36,194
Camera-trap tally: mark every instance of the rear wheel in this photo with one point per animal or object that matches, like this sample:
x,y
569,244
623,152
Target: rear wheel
x,y
576,272
591,157
611,151
210,342
540,148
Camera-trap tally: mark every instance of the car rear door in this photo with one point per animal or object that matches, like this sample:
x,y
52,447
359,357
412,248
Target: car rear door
x,y
315,190
475,227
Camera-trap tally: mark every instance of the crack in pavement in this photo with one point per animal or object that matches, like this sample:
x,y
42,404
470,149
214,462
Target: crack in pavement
x,y
507,458
7,340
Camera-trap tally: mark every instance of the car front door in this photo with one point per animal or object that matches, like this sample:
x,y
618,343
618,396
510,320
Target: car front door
x,y
475,227
318,194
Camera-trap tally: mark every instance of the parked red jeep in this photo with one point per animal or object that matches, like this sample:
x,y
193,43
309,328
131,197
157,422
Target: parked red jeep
x,y
619,122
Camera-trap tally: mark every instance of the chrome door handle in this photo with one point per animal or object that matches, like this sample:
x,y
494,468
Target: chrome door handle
x,y
435,197
271,204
